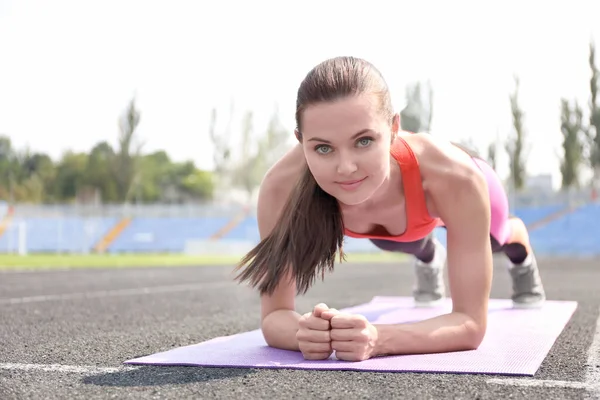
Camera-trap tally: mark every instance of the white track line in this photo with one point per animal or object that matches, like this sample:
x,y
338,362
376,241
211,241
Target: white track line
x,y
592,377
541,383
77,369
115,292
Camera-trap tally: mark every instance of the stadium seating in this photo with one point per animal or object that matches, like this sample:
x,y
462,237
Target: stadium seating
x,y
164,234
245,230
532,214
56,234
248,230
529,215
576,233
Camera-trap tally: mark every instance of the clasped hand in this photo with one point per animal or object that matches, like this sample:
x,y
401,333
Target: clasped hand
x,y
325,330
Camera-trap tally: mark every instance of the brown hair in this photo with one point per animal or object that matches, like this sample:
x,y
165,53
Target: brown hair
x,y
310,230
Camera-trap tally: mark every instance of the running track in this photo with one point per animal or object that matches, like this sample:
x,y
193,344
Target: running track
x,y
64,334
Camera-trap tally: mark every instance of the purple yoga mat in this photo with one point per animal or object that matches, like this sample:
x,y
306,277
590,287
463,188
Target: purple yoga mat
x,y
516,343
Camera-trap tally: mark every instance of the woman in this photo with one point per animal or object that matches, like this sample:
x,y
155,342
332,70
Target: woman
x,y
355,173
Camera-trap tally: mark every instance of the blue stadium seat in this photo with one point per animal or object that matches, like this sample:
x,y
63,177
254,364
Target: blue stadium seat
x,y
575,234
56,234
164,235
530,215
245,230
248,229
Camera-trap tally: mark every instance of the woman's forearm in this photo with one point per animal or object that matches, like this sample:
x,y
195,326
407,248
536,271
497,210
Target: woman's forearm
x,y
279,329
445,333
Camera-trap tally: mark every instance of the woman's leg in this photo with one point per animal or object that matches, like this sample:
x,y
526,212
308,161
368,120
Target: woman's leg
x,y
423,250
429,267
509,235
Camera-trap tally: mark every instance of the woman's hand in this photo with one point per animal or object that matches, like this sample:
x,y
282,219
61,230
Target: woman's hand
x,y
353,337
313,335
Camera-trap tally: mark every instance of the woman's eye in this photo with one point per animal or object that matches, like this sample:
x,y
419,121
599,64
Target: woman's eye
x,y
322,149
365,141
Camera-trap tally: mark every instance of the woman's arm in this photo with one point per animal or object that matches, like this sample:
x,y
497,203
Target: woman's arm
x,y
279,320
458,191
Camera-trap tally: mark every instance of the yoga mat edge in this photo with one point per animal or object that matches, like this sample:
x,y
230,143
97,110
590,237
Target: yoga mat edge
x,y
516,344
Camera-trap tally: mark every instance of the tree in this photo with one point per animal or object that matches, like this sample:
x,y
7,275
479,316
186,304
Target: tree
x,y
492,155
126,169
259,152
221,145
572,130
33,177
515,145
246,174
418,113
274,143
70,175
117,176
163,180
6,152
99,172
492,151
9,169
593,131
156,176
39,176
196,184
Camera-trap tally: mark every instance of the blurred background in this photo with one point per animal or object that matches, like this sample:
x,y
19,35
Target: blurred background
x,y
146,127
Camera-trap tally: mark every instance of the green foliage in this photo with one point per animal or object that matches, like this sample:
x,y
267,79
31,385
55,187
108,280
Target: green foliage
x,y
515,144
572,130
118,175
258,152
594,128
221,144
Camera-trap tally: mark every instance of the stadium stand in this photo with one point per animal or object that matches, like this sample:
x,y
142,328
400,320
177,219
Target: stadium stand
x,y
164,234
561,233
55,234
574,234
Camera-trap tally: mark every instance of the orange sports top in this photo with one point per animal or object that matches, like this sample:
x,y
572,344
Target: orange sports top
x,y
419,223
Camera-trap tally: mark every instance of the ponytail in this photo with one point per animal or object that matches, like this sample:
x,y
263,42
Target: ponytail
x,y
309,233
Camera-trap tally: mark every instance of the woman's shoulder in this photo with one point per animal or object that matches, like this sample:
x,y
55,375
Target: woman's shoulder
x,y
281,178
439,159
288,168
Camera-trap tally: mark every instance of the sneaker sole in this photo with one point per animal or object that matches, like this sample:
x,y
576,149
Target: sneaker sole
x,y
524,306
428,304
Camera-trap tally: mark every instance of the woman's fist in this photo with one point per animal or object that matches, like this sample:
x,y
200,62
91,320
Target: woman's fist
x,y
313,335
353,337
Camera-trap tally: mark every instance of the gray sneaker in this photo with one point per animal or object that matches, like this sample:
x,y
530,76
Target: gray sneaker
x,y
528,291
429,288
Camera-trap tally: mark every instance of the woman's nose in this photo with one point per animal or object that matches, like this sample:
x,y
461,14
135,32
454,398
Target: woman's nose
x,y
346,166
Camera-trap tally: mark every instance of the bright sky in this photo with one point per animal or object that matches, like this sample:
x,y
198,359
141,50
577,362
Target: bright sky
x,y
69,68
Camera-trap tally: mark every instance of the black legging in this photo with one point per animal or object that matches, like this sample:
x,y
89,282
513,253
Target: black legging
x,y
424,249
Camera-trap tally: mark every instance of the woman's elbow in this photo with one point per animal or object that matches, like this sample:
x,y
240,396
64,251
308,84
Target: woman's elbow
x,y
474,333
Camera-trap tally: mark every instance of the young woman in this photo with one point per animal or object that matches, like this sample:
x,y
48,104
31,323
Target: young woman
x,y
354,173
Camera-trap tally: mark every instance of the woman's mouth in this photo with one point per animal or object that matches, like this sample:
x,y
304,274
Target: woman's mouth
x,y
351,184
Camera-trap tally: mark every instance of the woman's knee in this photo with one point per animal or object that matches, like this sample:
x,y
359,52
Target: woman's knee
x,y
517,247
518,232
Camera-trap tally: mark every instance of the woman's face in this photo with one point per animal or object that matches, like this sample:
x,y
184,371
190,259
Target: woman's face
x,y
347,147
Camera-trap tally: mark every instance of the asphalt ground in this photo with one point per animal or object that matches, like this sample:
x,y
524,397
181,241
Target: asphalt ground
x,y
65,334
